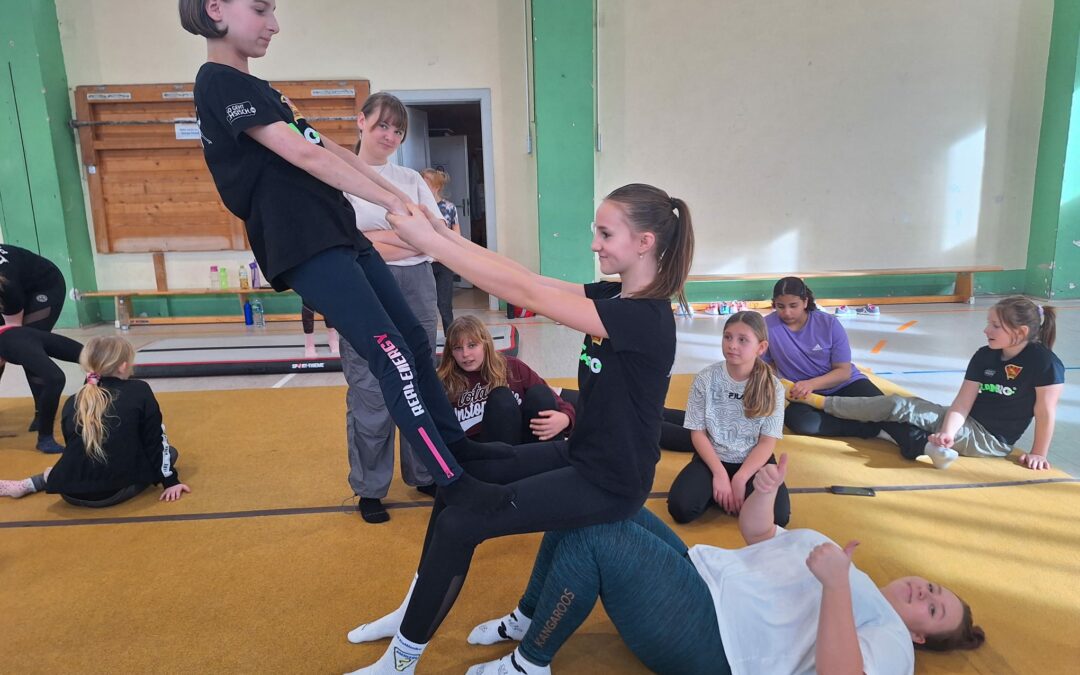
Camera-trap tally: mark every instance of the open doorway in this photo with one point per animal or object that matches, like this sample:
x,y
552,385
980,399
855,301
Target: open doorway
x,y
451,130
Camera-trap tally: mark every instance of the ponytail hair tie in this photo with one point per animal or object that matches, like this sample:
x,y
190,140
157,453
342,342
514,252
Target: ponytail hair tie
x,y
674,203
1041,316
93,378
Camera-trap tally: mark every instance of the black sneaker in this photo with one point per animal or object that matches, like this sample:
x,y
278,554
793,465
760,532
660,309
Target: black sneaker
x,y
49,446
428,489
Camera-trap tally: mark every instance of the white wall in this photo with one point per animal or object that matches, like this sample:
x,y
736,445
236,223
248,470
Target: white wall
x,y
830,134
419,44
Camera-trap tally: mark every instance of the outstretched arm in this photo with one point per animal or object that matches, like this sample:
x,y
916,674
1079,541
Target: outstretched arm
x,y
323,164
498,275
363,167
756,520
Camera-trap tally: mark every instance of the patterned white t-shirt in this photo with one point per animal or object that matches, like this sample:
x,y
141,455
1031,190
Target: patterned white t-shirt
x,y
716,407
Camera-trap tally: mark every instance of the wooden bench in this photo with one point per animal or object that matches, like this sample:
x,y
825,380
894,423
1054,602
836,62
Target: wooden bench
x,y
963,291
124,302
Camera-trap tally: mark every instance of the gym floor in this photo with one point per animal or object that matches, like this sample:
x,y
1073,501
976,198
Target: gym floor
x,y
922,348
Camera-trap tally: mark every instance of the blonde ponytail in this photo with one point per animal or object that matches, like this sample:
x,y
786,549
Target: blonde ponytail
x,y
102,356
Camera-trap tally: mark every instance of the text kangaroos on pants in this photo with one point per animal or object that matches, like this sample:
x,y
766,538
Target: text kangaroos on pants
x,y
404,371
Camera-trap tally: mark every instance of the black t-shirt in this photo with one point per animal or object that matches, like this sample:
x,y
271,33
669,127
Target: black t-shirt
x,y
1006,400
136,445
623,381
290,215
26,275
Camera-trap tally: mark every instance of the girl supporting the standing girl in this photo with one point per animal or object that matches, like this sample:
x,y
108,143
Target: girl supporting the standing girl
x,y
116,445
736,416
275,172
605,471
1013,379
496,397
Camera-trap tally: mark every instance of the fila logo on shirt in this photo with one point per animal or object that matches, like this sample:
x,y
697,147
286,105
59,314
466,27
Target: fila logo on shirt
x,y
235,111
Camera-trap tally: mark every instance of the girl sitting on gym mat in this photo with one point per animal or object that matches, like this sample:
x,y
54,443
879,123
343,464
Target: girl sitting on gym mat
x,y
497,397
1013,379
116,444
735,415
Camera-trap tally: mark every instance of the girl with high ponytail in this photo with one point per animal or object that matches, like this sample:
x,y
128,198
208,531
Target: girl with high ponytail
x,y
115,441
735,416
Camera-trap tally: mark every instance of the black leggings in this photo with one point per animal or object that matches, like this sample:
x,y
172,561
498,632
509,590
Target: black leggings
x,y
691,492
506,421
808,421
42,314
307,320
35,350
356,291
549,495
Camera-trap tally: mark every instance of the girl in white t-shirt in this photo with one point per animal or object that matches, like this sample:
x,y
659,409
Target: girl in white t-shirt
x,y
735,416
788,602
383,123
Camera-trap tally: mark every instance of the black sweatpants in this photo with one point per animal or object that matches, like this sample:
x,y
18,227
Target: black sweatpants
x,y
803,419
444,292
549,494
691,492
35,350
506,421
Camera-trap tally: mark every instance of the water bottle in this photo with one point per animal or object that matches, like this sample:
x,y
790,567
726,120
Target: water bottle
x,y
223,273
244,285
214,278
249,317
258,315
255,283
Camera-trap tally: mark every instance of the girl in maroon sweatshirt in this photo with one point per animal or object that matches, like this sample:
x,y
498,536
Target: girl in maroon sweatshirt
x,y
497,397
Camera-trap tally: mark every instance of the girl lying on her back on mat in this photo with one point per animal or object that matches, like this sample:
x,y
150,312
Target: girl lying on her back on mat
x,y
736,415
115,440
1013,379
34,350
810,348
497,397
604,472
274,171
789,602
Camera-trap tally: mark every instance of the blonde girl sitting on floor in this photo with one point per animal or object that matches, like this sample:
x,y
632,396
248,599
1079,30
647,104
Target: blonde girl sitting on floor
x,y
735,416
1013,379
115,442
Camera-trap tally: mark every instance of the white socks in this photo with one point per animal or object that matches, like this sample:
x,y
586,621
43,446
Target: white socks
x,y
385,627
16,488
941,457
399,659
511,664
513,626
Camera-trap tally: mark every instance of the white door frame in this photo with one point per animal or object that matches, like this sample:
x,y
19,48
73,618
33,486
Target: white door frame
x,y
483,97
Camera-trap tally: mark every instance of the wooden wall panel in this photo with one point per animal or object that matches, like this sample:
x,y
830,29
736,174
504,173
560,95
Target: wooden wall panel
x,y
149,190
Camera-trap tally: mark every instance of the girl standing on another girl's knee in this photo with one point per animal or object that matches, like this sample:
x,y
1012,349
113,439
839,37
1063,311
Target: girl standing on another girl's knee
x,y
116,445
496,397
286,181
1013,379
736,416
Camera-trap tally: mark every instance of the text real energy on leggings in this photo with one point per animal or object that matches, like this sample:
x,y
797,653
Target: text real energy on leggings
x,y
402,365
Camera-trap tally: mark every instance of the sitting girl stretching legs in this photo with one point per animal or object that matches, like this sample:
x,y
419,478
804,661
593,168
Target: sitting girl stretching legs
x,y
496,397
736,415
1011,380
115,440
